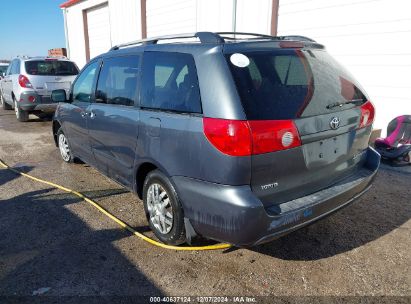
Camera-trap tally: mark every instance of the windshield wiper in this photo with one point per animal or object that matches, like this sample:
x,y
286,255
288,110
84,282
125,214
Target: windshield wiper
x,y
340,104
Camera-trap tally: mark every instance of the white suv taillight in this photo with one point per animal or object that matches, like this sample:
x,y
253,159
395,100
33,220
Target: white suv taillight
x,y
24,82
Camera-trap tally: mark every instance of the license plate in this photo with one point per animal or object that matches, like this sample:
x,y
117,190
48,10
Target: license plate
x,y
51,86
326,151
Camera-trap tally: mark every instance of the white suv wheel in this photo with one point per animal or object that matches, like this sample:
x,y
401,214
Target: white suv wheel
x,y
16,110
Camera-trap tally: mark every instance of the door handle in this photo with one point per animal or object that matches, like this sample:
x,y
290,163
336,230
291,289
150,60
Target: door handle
x,y
90,114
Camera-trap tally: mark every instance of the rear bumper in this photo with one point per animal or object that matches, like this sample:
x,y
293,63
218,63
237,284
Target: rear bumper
x,y
235,215
40,103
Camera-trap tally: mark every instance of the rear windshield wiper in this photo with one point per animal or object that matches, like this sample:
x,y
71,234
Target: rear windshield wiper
x,y
340,104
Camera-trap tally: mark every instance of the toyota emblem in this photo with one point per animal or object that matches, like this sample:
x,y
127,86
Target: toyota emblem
x,y
334,123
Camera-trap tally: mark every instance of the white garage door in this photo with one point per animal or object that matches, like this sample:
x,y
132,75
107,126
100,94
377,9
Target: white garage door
x,y
98,22
371,38
171,17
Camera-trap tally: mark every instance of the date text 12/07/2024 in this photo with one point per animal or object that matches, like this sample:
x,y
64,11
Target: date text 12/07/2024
x,y
200,299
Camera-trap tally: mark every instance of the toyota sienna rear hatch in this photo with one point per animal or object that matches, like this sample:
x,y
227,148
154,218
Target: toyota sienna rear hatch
x,y
309,119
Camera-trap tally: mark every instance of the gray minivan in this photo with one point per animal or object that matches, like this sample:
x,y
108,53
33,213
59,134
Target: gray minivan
x,y
236,137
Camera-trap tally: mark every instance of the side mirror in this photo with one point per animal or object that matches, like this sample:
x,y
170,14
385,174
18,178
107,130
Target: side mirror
x,y
58,95
3,74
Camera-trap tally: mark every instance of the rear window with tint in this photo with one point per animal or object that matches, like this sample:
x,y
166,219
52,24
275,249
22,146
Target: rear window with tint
x,y
287,84
51,68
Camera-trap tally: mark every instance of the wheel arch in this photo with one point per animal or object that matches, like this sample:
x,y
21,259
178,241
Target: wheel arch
x,y
56,127
141,173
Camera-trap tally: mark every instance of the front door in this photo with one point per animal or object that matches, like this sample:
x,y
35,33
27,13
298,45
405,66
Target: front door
x,y
78,114
114,119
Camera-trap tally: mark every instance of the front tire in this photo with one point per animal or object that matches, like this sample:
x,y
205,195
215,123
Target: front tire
x,y
21,115
163,209
4,104
64,147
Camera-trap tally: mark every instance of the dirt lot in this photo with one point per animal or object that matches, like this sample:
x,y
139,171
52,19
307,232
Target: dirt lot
x,y
52,240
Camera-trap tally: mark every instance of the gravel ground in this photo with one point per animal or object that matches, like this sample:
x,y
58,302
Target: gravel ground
x,y
54,244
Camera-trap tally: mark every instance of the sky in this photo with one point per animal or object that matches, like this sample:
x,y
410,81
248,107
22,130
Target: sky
x,y
30,27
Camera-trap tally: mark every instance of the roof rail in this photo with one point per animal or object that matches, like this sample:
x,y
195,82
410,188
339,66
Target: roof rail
x,y
205,37
296,37
210,37
258,36
243,34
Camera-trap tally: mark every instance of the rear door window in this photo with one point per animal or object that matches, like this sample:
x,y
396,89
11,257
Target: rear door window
x,y
287,84
170,83
117,83
51,67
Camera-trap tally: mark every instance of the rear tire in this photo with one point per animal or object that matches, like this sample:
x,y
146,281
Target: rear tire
x,y
64,147
163,209
407,158
21,115
4,104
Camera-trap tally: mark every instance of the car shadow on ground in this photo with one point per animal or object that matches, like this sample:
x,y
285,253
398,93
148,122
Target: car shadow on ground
x,y
8,175
44,244
381,210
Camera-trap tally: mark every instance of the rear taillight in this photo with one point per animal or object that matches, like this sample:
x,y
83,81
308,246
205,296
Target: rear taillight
x,y
367,114
24,82
242,138
273,135
231,137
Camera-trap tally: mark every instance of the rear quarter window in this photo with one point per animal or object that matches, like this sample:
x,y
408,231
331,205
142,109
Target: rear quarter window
x,y
14,67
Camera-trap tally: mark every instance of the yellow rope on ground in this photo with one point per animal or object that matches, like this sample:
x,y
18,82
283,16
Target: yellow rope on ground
x,y
114,218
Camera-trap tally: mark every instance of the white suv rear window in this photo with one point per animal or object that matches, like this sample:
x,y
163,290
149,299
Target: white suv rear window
x,y
51,68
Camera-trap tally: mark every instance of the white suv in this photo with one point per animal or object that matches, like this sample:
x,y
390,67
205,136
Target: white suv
x,y
28,84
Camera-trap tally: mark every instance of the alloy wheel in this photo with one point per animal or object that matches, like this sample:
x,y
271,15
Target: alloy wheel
x,y
64,147
16,110
159,208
